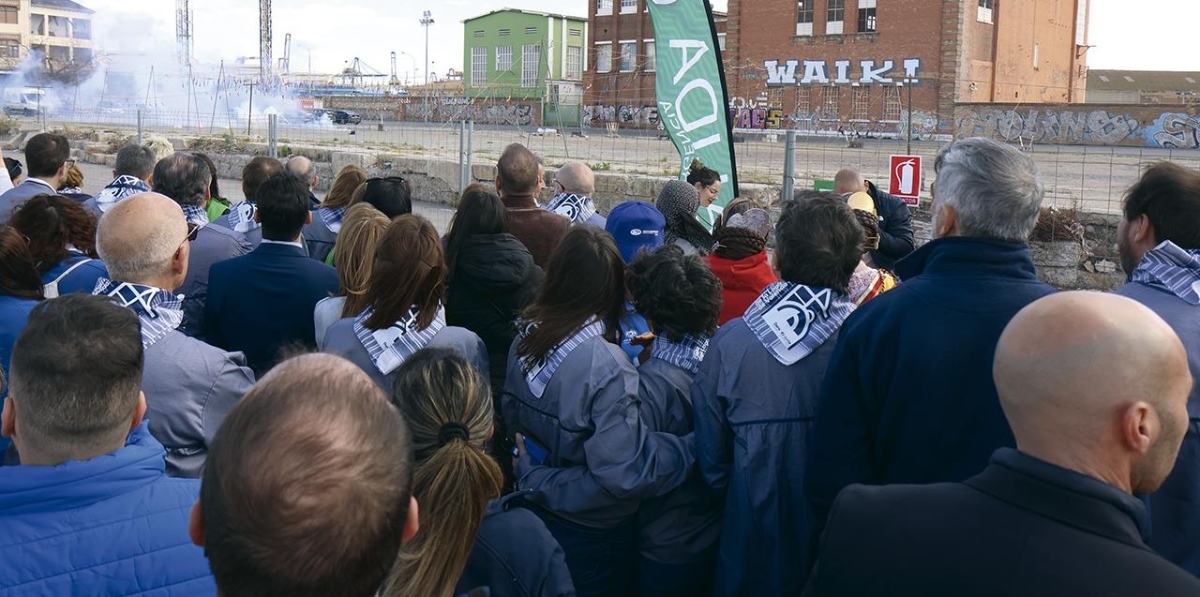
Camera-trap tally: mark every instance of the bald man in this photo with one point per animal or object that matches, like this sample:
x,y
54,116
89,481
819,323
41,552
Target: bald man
x,y
574,185
896,238
1095,388
304,169
189,385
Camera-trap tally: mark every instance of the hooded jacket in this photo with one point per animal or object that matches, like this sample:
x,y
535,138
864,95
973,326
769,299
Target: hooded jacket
x,y
112,525
742,281
494,279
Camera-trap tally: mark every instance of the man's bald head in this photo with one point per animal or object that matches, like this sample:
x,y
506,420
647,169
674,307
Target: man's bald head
x,y
302,168
306,487
576,177
1097,383
848,180
139,237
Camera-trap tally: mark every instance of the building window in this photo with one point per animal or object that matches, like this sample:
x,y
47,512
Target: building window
x,y
503,58
1081,8
804,17
575,32
531,59
721,41
891,103
862,104
831,97
8,15
37,24
651,57
531,31
628,5
81,29
803,102
574,63
604,57
479,67
505,32
1037,55
985,10
60,53
628,56
835,17
478,33
83,55
866,16
604,7
10,47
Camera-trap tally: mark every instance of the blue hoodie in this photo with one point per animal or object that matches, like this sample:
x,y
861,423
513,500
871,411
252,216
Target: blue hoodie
x,y
112,525
909,396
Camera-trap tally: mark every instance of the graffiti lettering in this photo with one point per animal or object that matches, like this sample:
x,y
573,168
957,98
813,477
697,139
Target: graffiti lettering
x,y
816,72
625,115
1175,130
1097,127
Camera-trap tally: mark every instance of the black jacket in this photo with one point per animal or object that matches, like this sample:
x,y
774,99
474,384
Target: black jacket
x,y
1023,527
895,228
493,280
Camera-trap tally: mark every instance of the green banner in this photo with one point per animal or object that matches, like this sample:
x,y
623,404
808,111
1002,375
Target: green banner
x,y
692,100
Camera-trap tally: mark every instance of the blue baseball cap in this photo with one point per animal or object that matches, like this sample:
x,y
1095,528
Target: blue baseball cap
x,y
636,225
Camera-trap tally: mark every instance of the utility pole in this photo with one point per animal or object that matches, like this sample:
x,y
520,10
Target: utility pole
x,y
910,86
426,21
250,116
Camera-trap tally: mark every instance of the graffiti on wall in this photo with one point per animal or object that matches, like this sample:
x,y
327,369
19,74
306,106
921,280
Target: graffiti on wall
x,y
817,72
598,115
1097,127
443,109
1174,130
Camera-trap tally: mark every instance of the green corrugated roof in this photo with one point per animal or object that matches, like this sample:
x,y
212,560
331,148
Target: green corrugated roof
x,y
1143,80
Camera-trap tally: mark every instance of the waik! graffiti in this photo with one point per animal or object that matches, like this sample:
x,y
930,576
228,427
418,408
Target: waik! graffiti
x,y
844,72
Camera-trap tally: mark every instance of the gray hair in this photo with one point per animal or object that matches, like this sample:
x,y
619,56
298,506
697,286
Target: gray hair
x,y
183,177
138,238
301,167
994,188
135,160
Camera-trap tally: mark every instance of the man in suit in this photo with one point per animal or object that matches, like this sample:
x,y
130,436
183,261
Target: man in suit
x,y
240,217
48,156
896,238
262,303
189,385
518,181
1159,241
1095,388
185,178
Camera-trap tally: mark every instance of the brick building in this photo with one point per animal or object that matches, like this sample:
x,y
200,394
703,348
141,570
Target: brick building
x,y
830,64
619,80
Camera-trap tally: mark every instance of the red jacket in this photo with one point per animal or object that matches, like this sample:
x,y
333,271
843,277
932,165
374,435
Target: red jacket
x,y
743,280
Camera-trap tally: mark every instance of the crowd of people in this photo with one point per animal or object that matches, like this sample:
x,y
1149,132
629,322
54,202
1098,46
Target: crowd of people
x,y
293,395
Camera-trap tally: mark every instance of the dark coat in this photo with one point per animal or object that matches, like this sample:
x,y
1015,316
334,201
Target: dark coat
x,y
909,396
539,230
493,280
896,238
1023,527
213,244
263,302
515,555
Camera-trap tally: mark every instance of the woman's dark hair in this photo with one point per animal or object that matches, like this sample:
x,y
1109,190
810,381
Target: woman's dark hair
x,y
409,270
677,293
818,241
14,168
699,173
18,276
51,222
585,279
214,188
479,212
391,195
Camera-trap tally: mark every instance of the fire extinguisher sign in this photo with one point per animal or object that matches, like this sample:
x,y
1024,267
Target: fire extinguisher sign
x,y
905,175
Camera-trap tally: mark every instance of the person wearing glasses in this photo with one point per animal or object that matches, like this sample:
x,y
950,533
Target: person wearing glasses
x,y
391,195
49,157
189,385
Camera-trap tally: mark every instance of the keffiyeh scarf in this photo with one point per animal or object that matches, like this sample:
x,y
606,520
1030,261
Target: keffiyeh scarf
x,y
1173,268
792,320
538,375
195,214
120,188
241,217
391,346
685,354
579,208
159,311
332,217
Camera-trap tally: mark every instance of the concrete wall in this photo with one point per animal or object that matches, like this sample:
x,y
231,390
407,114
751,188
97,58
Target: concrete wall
x,y
518,112
1175,127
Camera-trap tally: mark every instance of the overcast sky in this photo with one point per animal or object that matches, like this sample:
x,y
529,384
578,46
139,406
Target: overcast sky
x,y
334,33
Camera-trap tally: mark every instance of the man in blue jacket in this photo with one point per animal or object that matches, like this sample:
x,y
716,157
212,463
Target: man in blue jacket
x,y
1159,241
89,511
896,238
262,303
756,391
909,396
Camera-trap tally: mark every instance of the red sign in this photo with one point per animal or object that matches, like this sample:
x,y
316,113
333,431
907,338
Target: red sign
x,y
905,174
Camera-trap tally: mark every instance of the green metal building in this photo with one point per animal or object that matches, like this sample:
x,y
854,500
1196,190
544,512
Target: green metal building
x,y
511,54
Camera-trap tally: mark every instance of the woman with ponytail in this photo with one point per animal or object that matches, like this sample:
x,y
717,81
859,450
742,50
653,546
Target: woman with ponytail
x,y
468,538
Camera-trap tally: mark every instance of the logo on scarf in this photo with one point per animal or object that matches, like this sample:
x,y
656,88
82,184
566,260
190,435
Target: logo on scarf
x,y
792,316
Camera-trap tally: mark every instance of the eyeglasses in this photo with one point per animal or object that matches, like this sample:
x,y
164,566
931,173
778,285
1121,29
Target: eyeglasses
x,y
192,233
69,163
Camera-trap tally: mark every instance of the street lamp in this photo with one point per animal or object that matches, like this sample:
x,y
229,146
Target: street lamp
x,y
426,21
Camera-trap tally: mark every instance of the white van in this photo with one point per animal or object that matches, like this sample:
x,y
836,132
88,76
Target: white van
x,y
24,101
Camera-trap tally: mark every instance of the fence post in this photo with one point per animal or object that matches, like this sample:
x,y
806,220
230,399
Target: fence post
x,y
139,122
789,165
462,156
273,135
470,151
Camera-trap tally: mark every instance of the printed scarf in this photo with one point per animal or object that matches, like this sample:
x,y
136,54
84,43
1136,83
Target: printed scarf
x,y
120,188
685,354
1170,267
332,217
579,208
241,217
792,320
195,214
159,311
391,346
538,375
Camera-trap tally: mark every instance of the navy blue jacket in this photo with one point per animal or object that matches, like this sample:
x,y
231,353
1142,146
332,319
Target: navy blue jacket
x,y
213,244
1175,507
515,555
14,312
909,396
262,303
753,420
81,279
1022,527
896,239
